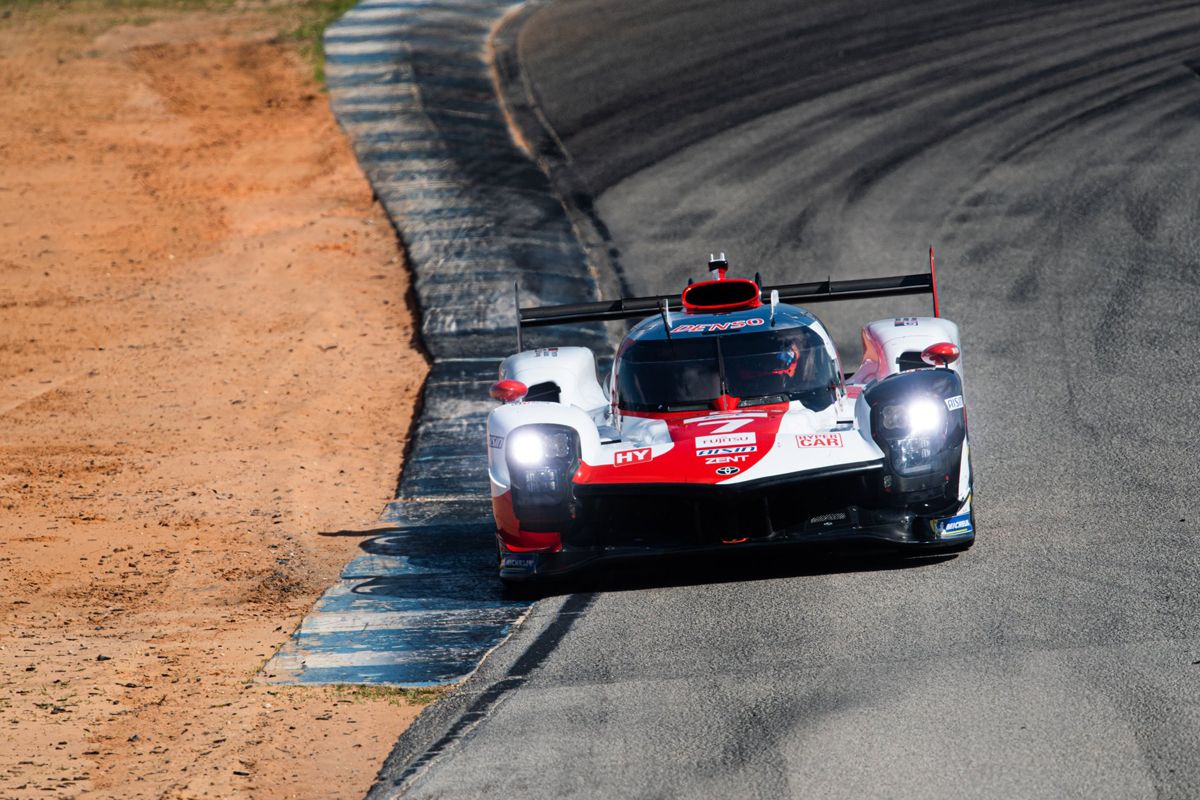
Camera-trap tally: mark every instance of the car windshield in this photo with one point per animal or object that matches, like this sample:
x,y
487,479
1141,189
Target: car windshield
x,y
684,374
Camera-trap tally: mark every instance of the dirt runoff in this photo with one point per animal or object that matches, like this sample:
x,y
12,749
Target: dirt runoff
x,y
206,363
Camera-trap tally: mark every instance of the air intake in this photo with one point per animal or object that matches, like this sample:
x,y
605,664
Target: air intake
x,y
710,297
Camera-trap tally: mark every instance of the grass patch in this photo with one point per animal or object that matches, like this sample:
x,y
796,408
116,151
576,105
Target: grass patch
x,y
51,6
394,695
302,22
314,16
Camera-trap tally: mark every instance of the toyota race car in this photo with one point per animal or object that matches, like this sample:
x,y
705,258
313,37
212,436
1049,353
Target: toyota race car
x,y
728,423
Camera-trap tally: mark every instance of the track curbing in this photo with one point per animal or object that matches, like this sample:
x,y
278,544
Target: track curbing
x,y
411,83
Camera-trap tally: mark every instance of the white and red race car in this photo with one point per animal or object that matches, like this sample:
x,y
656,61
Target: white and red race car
x,y
728,423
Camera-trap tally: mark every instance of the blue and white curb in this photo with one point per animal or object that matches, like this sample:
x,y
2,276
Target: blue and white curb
x,y
411,84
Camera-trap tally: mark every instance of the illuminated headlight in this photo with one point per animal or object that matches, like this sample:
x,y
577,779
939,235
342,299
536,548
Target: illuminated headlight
x,y
917,419
527,448
914,429
912,418
541,460
532,447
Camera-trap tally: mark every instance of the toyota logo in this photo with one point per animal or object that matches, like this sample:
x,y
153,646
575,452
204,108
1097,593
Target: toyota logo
x,y
728,470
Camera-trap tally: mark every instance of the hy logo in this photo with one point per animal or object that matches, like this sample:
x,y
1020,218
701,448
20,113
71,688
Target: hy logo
x,y
627,457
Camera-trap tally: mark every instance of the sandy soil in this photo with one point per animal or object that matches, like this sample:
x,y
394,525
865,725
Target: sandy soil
x,y
206,362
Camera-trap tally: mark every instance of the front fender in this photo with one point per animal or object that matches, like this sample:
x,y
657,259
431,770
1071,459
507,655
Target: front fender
x,y
503,421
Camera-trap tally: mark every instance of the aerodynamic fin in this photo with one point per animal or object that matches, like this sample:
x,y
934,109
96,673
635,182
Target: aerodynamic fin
x,y
815,292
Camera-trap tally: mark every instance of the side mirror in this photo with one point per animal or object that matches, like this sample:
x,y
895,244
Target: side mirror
x,y
509,391
941,354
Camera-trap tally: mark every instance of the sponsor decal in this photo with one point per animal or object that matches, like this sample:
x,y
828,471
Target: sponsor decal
x,y
818,440
724,440
954,403
955,526
727,451
726,459
715,419
519,563
626,457
708,327
724,424
727,470
906,322
546,352
827,520
496,442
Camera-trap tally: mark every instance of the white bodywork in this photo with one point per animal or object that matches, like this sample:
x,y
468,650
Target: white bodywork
x,y
605,434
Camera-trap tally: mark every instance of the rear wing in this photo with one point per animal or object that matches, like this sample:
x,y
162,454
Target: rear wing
x,y
815,292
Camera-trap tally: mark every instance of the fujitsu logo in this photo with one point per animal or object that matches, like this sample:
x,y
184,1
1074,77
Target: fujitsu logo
x,y
724,440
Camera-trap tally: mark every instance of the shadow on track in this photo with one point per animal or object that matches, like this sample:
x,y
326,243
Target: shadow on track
x,y
666,571
457,560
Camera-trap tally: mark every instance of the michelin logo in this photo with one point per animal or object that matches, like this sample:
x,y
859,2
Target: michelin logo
x,y
955,526
519,563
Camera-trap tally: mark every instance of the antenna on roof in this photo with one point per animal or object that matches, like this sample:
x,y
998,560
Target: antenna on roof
x,y
517,308
718,265
665,310
933,283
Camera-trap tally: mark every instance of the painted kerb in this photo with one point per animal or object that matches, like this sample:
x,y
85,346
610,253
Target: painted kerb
x,y
411,84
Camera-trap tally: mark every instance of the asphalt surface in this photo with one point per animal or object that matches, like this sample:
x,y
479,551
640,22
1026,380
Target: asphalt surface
x,y
1052,152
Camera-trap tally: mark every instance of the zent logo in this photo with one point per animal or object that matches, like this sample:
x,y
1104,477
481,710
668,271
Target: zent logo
x,y
819,440
954,403
726,459
727,470
627,457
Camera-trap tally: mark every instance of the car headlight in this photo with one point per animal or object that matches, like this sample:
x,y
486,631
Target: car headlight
x,y
914,455
918,420
532,446
914,430
541,461
917,416
527,449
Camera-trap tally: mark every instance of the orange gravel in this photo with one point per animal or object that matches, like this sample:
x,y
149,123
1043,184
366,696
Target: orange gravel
x,y
206,363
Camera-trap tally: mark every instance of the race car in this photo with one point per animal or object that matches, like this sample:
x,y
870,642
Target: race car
x,y
728,423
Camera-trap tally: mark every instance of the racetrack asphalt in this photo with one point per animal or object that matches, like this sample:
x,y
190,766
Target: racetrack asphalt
x,y
1052,153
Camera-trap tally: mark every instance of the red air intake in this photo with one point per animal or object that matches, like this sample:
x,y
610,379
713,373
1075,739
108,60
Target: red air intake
x,y
708,297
